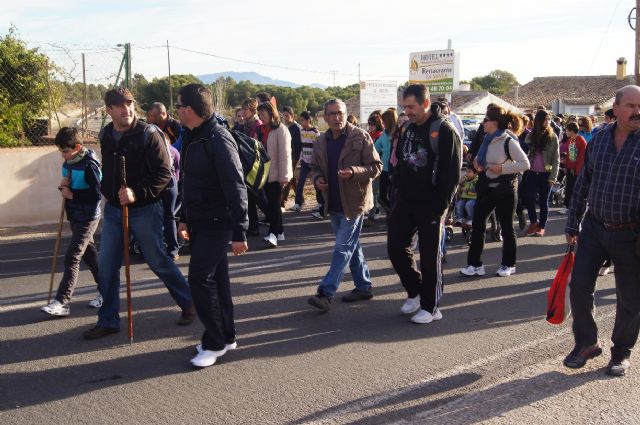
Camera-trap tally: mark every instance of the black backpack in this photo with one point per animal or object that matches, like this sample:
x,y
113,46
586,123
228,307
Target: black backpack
x,y
254,159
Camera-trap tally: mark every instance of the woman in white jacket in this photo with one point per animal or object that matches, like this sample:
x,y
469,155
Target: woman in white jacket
x,y
499,161
278,144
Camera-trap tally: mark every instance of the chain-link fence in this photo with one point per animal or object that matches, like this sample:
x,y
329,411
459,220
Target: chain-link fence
x,y
46,86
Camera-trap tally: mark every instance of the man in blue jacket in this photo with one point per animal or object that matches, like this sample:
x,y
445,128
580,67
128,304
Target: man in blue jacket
x,y
214,212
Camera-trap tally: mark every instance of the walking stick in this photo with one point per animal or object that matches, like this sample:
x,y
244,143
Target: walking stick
x,y
125,227
56,247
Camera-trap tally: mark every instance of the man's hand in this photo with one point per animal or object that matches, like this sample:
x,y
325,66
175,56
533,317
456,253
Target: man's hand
x,y
182,231
496,169
321,184
345,173
571,240
477,166
126,196
65,182
239,247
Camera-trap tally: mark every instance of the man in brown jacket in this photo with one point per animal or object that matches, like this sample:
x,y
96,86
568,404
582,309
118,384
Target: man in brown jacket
x,y
343,165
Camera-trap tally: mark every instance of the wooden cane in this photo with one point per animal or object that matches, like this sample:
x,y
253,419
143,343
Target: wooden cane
x,y
125,227
56,247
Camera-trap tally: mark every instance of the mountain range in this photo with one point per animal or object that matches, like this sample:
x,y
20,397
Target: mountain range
x,y
254,78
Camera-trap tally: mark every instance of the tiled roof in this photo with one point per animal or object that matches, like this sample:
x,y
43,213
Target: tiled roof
x,y
590,90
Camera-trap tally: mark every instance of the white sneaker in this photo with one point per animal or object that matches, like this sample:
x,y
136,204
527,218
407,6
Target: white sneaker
x,y
423,316
505,271
96,302
317,215
271,240
56,308
411,305
563,211
227,347
206,358
281,237
604,271
473,271
295,208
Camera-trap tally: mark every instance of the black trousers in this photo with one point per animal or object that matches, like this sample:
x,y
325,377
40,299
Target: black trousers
x,y
210,285
273,190
404,220
503,199
570,182
595,245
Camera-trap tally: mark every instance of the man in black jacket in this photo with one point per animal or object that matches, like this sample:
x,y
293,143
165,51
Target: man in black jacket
x,y
148,171
426,177
215,211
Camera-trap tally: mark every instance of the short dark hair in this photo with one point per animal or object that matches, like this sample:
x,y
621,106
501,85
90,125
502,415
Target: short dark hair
x,y
305,115
68,137
573,127
199,98
263,97
419,91
609,113
288,109
117,96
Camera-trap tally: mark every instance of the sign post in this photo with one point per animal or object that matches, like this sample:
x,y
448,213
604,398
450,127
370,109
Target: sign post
x,y
376,95
436,69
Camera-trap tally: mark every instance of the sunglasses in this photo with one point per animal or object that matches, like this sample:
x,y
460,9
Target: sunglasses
x,y
180,105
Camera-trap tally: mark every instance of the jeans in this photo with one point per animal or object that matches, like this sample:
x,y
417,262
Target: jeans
x,y
169,201
404,221
146,224
80,247
210,285
596,244
346,251
503,200
537,183
304,172
465,205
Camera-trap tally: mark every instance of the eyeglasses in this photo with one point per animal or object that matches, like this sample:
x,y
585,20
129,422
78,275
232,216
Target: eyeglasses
x,y
336,114
180,105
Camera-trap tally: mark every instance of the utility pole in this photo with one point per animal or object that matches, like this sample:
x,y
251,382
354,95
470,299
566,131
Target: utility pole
x,y
359,69
170,88
85,118
334,74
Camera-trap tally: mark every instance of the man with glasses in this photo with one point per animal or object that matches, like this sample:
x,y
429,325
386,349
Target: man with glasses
x,y
148,171
211,166
343,165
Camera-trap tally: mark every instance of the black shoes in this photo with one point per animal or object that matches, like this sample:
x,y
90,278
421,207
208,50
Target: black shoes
x,y
98,332
618,365
187,316
578,357
320,301
357,295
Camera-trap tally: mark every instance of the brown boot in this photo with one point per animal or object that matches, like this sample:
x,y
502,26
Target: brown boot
x,y
188,315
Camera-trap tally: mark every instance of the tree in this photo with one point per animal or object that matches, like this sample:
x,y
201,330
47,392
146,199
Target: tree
x,y
158,89
23,88
497,82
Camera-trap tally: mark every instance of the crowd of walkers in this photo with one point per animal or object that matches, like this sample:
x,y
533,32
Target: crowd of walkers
x,y
183,180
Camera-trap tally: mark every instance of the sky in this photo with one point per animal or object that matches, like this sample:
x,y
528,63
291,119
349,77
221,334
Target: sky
x,y
327,41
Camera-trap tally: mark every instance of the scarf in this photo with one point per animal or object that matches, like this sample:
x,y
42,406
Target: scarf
x,y
78,157
481,158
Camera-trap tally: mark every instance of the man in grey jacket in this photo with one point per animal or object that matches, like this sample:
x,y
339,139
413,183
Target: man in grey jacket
x,y
343,165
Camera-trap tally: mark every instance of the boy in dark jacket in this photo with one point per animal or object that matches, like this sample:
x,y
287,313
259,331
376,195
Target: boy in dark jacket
x,y
80,187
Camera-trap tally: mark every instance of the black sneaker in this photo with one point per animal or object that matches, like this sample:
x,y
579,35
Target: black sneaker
x,y
357,295
618,365
320,301
580,354
99,332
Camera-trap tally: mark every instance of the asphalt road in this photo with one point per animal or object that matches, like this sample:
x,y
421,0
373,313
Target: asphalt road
x,y
491,359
